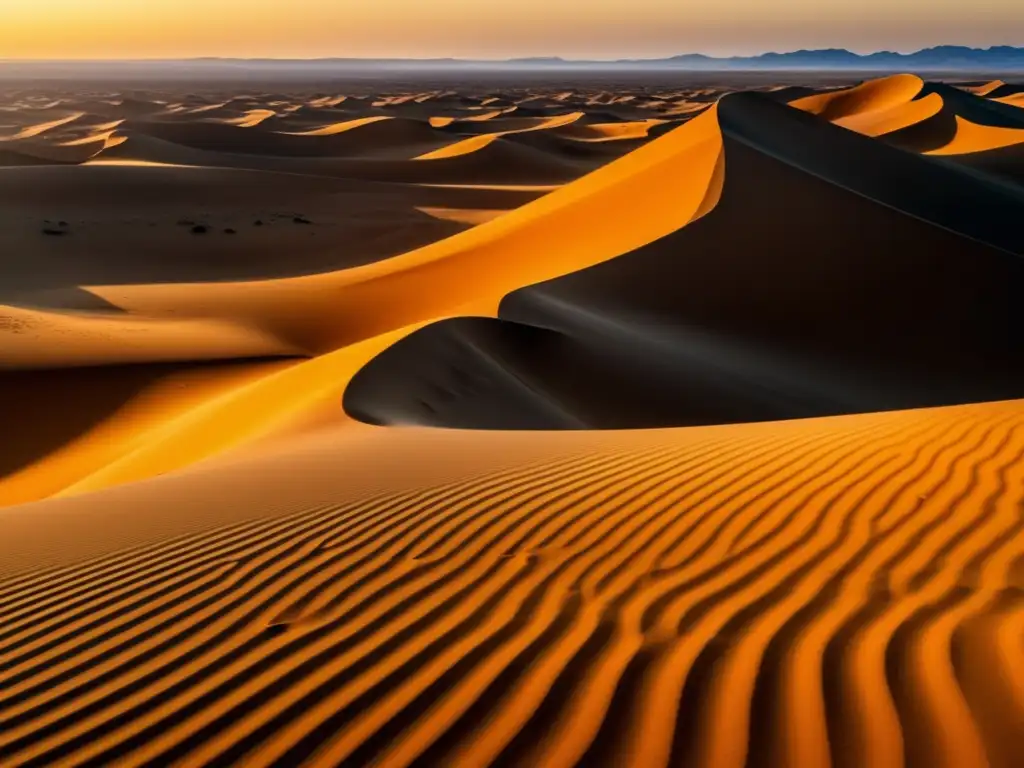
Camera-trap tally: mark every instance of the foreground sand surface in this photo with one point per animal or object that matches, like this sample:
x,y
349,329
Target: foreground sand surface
x,y
595,425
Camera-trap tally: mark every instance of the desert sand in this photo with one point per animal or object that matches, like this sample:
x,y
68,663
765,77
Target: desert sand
x,y
540,426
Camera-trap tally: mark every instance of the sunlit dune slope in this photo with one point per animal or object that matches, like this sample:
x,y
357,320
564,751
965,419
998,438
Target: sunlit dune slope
x,y
961,111
1014,100
871,96
352,315
933,117
114,412
790,593
564,231
971,137
980,134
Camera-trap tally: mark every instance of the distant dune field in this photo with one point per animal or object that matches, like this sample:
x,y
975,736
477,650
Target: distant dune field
x,y
625,426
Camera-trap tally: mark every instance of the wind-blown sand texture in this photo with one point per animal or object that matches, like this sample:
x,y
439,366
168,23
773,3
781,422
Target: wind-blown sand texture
x,y
548,427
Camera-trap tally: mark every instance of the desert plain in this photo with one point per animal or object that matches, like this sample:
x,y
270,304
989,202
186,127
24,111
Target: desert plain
x,y
475,423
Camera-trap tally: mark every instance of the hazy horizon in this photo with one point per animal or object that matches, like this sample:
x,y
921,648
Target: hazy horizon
x,y
68,30
567,59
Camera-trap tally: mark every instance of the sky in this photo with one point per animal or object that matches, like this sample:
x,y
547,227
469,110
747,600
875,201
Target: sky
x,y
492,29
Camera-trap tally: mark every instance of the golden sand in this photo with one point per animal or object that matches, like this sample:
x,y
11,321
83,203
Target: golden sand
x,y
205,560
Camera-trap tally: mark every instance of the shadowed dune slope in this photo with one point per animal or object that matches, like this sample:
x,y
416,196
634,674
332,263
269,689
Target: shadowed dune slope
x,y
133,224
843,590
508,165
848,288
353,141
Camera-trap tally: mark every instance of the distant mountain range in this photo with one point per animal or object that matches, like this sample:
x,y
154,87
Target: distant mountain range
x,y
944,58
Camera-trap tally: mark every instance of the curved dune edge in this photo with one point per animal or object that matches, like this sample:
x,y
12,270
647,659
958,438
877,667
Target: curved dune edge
x,y
335,128
348,317
251,118
32,131
710,323
876,107
1014,100
472,216
458,148
971,137
699,597
872,96
478,142
986,88
884,121
624,131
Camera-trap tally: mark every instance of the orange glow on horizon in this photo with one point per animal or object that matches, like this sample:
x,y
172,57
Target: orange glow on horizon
x,y
604,29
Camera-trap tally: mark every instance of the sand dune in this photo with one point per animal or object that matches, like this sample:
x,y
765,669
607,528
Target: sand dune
x,y
941,128
985,89
618,346
971,137
530,426
864,99
388,295
696,597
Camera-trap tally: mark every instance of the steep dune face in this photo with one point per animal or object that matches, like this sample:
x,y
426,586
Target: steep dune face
x,y
912,302
213,553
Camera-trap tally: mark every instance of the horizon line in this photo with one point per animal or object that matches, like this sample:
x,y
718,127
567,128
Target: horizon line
x,y
509,59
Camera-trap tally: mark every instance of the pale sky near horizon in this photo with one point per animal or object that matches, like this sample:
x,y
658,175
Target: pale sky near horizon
x,y
601,29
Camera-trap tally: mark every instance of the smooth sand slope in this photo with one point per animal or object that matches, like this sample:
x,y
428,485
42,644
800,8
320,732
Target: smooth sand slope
x,y
723,499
